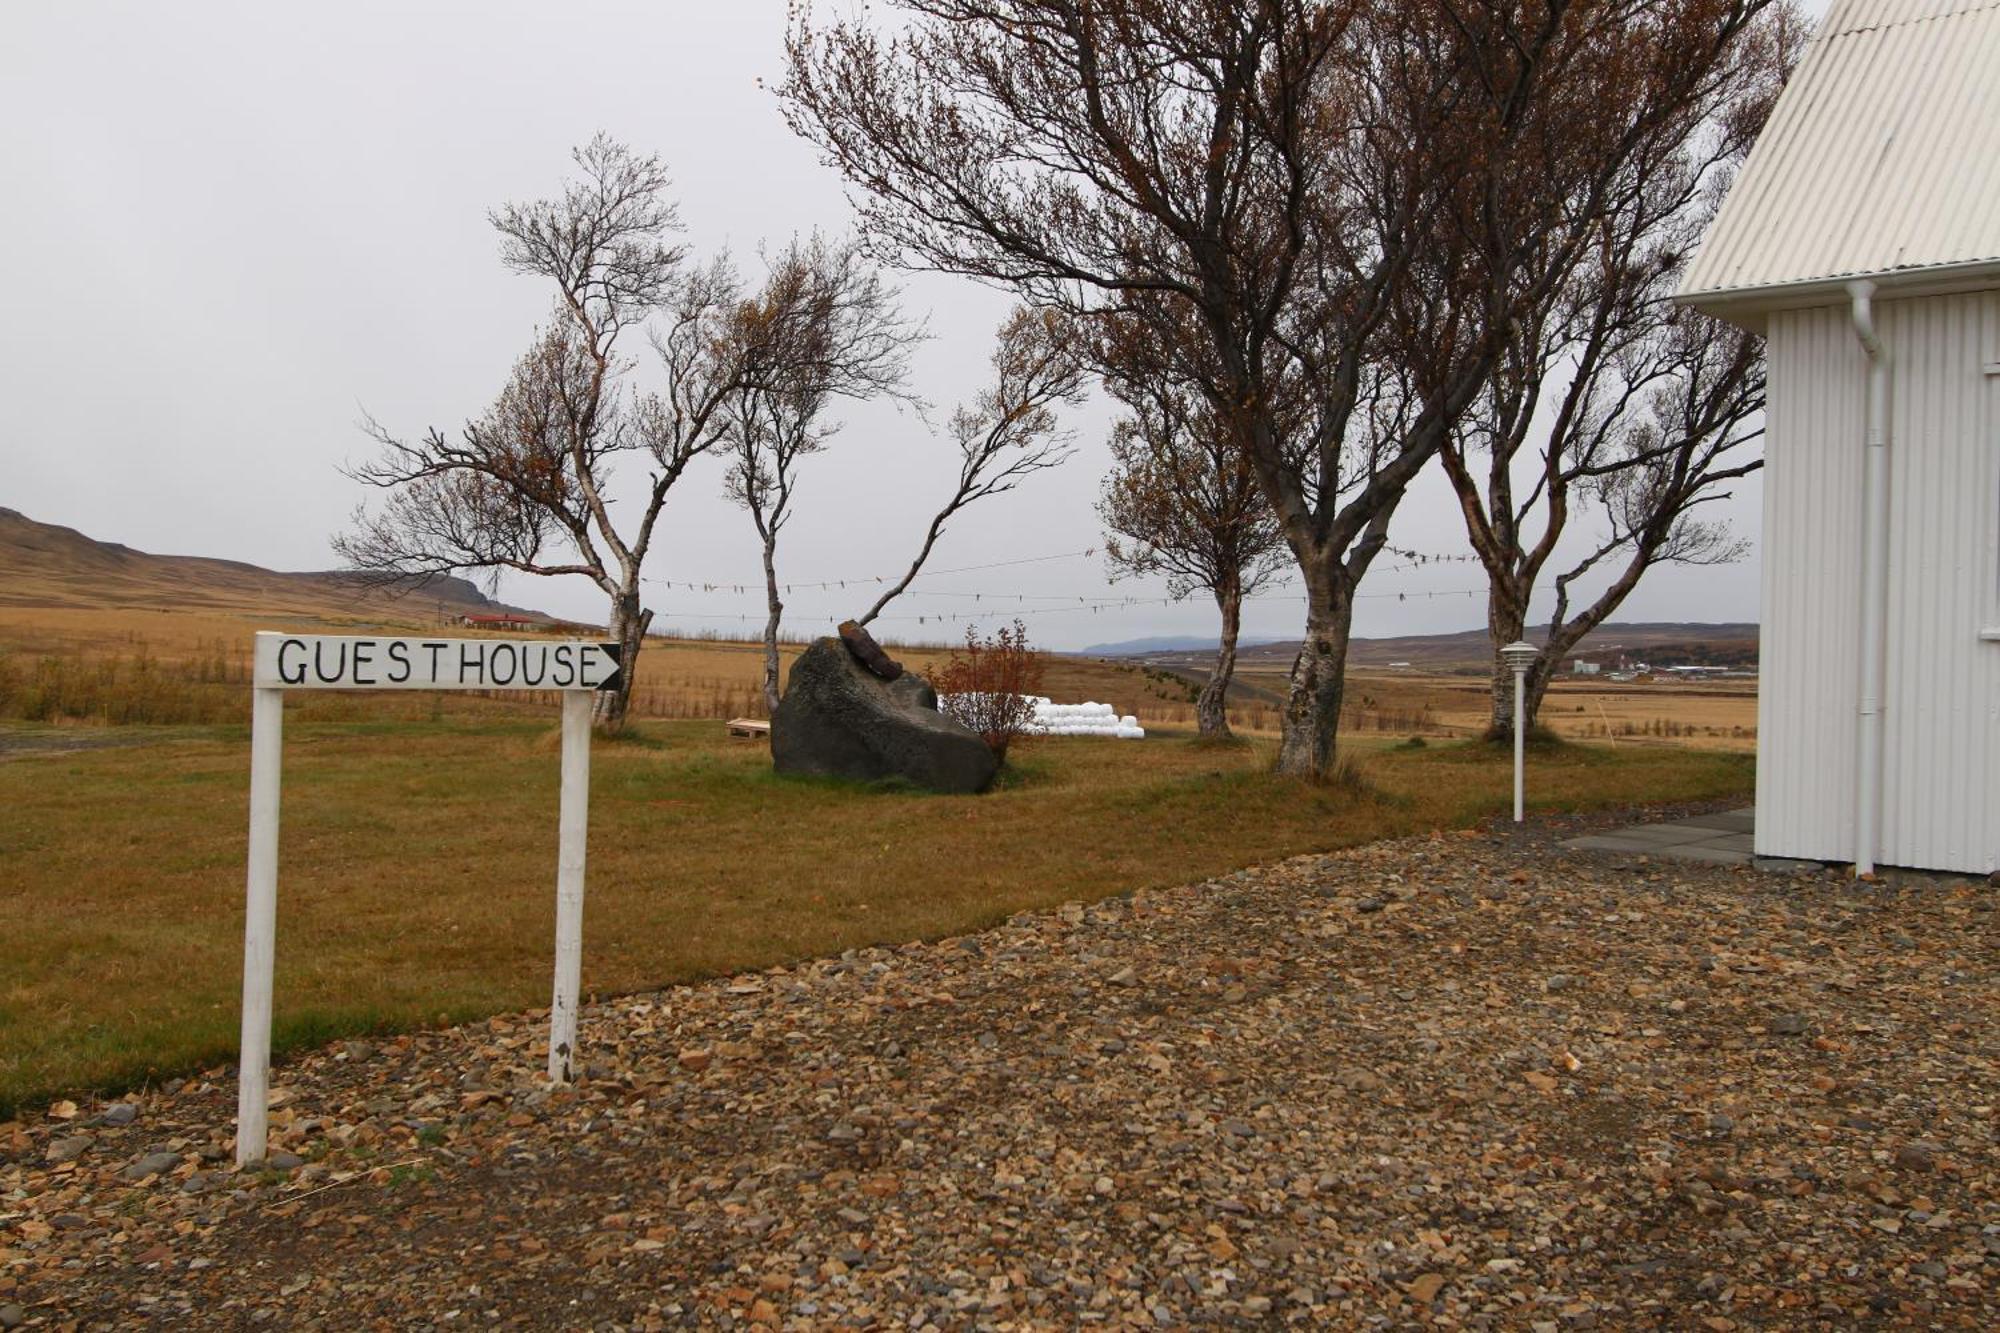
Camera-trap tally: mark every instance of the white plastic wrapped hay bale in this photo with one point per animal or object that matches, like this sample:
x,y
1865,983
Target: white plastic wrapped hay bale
x,y
1048,718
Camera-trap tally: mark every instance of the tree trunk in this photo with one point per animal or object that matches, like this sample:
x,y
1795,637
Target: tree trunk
x,y
1534,689
775,612
1211,706
1506,622
627,628
1505,626
1542,672
1311,722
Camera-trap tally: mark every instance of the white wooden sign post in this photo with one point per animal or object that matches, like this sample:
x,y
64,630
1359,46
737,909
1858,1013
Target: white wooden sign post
x,y
363,662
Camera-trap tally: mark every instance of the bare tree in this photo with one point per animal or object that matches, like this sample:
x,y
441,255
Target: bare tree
x,y
828,326
528,486
1184,501
1011,431
524,487
1319,202
1643,444
1613,415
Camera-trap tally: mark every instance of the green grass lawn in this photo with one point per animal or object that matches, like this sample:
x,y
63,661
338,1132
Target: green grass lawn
x,y
417,866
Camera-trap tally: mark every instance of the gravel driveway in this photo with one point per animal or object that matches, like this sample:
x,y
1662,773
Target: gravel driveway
x,y
1469,1080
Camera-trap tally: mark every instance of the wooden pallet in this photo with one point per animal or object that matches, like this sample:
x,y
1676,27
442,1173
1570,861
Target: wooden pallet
x,y
749,727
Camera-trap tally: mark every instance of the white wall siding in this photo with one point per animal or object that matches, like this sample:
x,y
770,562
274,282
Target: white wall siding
x,y
1809,668
1941,780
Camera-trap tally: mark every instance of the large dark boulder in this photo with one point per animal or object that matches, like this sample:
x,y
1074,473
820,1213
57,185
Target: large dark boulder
x,y
838,719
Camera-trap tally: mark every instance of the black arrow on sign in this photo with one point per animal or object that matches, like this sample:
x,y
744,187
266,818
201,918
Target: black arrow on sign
x,y
616,652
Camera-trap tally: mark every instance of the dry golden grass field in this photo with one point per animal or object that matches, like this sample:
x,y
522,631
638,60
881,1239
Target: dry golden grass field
x,y
92,631
195,664
418,846
1719,715
417,862
200,658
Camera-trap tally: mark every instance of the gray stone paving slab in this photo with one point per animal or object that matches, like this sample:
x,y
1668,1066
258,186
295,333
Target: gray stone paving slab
x,y
1729,821
1720,839
1703,851
1663,835
1605,842
1786,865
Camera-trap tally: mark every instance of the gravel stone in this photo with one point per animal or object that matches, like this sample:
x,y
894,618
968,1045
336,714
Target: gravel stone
x,y
66,1149
152,1164
1917,1157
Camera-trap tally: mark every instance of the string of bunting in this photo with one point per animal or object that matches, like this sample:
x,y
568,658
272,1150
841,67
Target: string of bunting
x,y
954,617
1412,560
713,585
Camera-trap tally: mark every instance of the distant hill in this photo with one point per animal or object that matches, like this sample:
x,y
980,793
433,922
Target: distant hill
x,y
1660,643
1166,643
45,565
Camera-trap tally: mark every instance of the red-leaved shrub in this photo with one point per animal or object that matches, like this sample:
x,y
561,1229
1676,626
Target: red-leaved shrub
x,y
990,684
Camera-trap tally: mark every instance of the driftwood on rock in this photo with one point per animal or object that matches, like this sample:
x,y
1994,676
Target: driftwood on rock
x,y
868,652
837,719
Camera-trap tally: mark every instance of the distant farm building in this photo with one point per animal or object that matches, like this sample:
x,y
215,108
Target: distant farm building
x,y
509,621
1863,239
1582,668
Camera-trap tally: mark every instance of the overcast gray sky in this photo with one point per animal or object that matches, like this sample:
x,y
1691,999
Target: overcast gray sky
x,y
230,229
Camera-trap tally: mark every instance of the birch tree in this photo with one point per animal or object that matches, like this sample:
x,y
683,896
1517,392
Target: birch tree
x,y
828,326
1648,426
1181,501
1612,419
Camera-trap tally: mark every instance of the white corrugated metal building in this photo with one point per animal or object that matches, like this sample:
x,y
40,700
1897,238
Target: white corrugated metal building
x,y
1863,238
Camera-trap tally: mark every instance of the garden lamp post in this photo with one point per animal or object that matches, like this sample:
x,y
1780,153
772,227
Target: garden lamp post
x,y
1519,656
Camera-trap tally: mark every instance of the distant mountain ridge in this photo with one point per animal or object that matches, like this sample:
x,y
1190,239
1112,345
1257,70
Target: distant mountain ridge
x,y
1728,642
48,565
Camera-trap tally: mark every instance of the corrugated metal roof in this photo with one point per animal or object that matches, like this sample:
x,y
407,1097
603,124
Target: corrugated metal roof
x,y
1881,157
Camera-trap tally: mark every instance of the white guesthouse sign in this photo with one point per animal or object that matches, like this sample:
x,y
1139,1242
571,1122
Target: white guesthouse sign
x,y
361,662
371,662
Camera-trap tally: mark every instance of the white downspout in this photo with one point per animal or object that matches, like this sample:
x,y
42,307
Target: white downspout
x,y
1874,582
